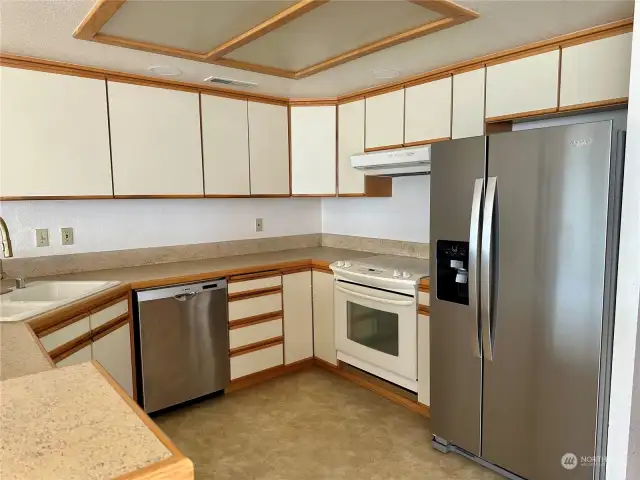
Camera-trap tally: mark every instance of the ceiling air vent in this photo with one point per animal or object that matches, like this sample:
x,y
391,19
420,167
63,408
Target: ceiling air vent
x,y
230,81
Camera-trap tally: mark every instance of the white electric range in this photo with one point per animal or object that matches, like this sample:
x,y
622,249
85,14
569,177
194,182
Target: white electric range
x,y
376,315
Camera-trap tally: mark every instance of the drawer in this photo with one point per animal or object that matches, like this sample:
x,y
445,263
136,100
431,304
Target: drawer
x,y
66,334
424,298
256,284
256,361
239,337
250,307
110,313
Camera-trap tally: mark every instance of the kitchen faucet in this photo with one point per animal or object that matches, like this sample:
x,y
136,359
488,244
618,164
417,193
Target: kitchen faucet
x,y
6,239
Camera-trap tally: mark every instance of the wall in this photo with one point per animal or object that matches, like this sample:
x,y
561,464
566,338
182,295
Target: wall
x,y
404,216
623,457
103,225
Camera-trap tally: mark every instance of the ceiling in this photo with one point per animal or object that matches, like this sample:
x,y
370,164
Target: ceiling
x,y
44,29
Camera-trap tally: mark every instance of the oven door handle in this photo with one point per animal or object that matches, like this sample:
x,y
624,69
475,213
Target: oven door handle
x,y
375,299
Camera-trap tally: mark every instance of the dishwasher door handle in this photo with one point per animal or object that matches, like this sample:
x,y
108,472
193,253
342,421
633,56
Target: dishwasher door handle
x,y
183,297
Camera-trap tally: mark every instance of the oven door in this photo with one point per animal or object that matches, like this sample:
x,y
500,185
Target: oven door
x,y
377,327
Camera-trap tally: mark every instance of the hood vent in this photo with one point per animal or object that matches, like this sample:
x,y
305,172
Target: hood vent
x,y
230,81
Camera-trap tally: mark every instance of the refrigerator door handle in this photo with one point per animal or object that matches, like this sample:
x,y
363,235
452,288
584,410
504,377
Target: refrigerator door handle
x,y
486,269
474,244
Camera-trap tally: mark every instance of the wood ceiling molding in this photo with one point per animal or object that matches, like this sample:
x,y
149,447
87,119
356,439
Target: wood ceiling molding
x,y
452,15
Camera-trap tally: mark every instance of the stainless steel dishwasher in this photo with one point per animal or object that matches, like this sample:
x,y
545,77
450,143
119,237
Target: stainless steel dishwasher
x,y
183,341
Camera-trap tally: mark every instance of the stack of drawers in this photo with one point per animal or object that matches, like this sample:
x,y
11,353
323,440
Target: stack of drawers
x,y
255,323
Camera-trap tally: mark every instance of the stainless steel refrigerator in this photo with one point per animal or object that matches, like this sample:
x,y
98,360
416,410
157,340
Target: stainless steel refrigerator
x,y
524,240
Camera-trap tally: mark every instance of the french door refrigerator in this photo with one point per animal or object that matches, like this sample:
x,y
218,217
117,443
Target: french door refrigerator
x,y
523,253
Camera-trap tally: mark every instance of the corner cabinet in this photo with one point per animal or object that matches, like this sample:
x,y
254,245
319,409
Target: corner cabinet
x,y
596,73
523,87
324,341
225,146
313,150
384,120
269,149
155,141
298,316
54,131
468,104
427,112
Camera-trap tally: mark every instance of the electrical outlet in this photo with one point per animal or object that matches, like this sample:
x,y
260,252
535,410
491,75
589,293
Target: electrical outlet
x,y
67,235
259,226
42,237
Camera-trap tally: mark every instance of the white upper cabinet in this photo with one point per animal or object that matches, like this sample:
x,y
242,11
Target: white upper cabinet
x,y
54,135
427,112
596,71
384,120
268,149
298,317
225,146
468,104
313,150
350,142
155,141
522,86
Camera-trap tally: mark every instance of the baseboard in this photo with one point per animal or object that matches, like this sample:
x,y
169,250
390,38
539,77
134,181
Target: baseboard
x,y
268,374
416,407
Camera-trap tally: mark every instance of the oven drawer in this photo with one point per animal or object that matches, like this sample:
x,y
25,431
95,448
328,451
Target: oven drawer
x,y
246,335
256,361
250,307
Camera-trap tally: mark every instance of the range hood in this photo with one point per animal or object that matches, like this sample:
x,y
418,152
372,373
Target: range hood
x,y
395,163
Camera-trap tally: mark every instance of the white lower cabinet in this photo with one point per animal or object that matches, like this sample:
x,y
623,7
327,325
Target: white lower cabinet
x,y
79,356
324,342
113,352
65,334
424,364
259,332
256,361
298,317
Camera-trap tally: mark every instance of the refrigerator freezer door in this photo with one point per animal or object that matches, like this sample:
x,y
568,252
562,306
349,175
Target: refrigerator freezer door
x,y
456,374
540,397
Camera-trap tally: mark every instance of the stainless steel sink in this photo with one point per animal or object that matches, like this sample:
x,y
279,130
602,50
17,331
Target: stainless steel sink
x,y
39,297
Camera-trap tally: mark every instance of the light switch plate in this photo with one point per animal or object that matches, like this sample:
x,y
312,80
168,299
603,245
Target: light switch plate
x,y
258,225
67,235
42,237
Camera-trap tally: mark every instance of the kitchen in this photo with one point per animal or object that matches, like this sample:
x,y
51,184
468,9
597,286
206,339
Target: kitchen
x,y
296,263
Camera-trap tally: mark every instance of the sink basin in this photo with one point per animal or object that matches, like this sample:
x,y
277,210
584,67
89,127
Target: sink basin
x,y
39,297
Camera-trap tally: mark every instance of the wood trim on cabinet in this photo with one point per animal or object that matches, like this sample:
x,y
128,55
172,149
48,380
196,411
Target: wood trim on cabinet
x,y
60,325
134,363
313,102
263,375
110,326
322,269
71,347
40,346
209,195
260,292
497,127
271,195
521,55
282,18
253,276
513,116
623,27
424,288
425,284
253,347
289,271
110,303
602,103
378,186
124,197
313,195
426,142
422,81
263,318
100,14
384,147
238,95
58,197
174,468
424,310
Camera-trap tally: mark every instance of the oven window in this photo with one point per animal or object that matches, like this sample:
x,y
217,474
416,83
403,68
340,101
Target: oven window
x,y
373,328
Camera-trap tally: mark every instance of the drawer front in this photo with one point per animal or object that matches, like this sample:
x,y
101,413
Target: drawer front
x,y
256,284
110,313
81,356
65,334
250,307
239,337
424,298
242,365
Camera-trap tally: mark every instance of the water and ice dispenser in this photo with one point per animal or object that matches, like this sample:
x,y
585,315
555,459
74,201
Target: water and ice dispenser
x,y
452,261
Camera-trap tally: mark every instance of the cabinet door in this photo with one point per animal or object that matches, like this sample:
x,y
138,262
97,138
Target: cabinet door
x,y
384,120
155,141
427,112
596,71
225,146
313,150
79,356
525,86
268,149
55,135
468,104
298,317
324,342
66,334
113,352
350,142
424,364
